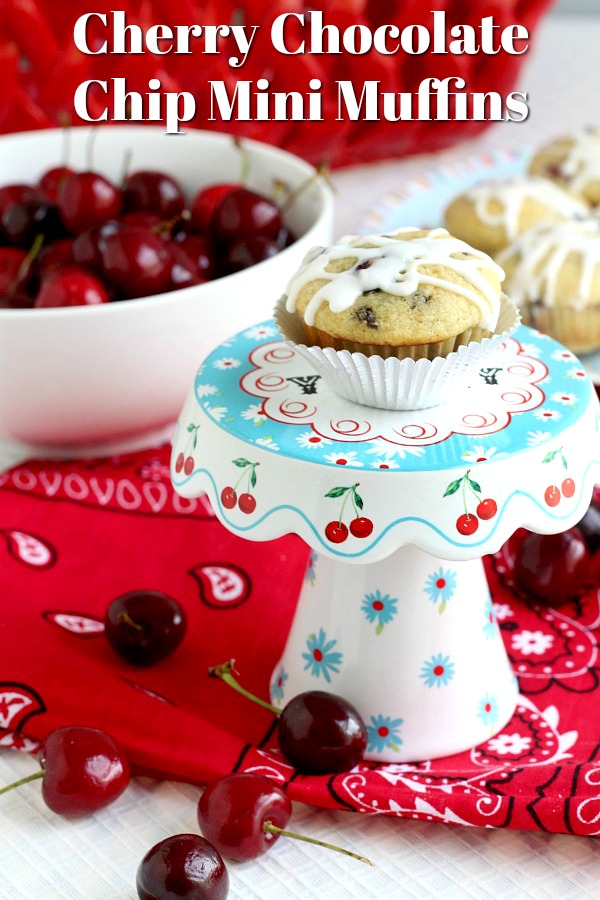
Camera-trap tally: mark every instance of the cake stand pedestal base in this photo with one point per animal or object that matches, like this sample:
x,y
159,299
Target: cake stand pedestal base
x,y
412,642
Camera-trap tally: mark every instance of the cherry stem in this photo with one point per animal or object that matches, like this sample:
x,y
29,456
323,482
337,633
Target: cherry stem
x,y
269,828
127,157
169,224
25,780
464,493
225,673
244,161
26,264
125,617
321,171
89,149
349,492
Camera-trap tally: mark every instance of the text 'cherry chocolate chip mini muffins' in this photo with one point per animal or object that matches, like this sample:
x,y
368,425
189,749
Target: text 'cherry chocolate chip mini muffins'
x,y
392,320
553,275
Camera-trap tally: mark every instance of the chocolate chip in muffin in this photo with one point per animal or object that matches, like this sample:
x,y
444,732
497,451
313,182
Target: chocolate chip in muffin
x,y
365,314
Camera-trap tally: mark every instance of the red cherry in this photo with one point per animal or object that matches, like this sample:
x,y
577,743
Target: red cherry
x,y
568,487
56,255
151,191
11,260
487,509
84,770
71,286
552,495
86,199
22,222
182,866
88,246
179,463
249,251
243,214
184,273
51,180
468,523
553,568
247,503
136,261
233,812
188,466
336,532
320,732
205,203
228,497
200,250
144,627
16,193
361,527
590,527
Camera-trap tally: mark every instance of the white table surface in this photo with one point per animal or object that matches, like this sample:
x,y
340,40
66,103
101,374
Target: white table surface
x,y
44,856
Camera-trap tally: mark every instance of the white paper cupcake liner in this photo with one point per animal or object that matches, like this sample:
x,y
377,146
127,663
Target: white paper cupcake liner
x,y
391,383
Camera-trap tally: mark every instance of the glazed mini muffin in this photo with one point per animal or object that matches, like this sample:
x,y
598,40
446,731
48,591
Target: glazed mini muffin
x,y
553,275
409,293
492,214
573,161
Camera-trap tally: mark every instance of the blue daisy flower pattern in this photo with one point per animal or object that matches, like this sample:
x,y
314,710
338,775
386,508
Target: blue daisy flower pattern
x,y
440,586
321,658
310,574
489,622
380,608
437,671
278,685
384,733
487,710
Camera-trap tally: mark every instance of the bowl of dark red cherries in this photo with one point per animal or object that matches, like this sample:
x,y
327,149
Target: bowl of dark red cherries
x,y
126,255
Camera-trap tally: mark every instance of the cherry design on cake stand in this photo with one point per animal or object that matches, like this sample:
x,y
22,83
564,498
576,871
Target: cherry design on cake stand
x,y
399,507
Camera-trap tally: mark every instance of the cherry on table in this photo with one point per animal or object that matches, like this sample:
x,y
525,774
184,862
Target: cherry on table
x,y
242,815
320,733
552,568
86,199
83,770
152,191
136,261
70,286
183,866
144,627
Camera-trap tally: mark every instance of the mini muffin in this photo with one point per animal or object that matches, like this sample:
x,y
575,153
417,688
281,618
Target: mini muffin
x,y
573,161
553,275
492,214
410,293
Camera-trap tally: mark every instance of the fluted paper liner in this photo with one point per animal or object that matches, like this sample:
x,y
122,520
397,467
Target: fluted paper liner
x,y
399,383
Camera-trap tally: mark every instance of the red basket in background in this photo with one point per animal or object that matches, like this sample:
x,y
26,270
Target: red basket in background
x,y
40,68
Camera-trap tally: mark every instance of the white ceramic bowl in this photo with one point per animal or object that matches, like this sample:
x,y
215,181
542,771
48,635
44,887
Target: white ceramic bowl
x,y
95,378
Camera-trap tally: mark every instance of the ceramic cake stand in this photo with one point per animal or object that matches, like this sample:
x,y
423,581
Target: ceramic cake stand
x,y
395,613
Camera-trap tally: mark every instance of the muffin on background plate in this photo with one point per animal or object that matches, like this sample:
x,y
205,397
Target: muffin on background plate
x,y
492,214
572,161
553,275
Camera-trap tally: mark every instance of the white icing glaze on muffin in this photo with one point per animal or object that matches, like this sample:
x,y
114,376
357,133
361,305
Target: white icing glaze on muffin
x,y
511,194
395,266
555,264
